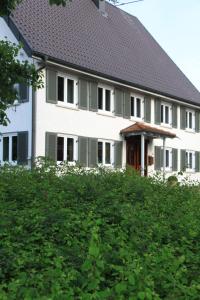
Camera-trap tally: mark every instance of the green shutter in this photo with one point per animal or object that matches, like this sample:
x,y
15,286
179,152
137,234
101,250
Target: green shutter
x,y
23,93
22,148
174,159
83,151
93,97
183,160
174,115
92,152
118,154
182,117
157,111
83,93
158,158
51,146
197,119
51,86
119,102
127,105
197,161
147,109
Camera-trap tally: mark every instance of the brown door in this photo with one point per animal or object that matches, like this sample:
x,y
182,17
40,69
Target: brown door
x,y
133,146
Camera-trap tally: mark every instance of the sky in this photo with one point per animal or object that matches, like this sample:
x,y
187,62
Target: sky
x,y
175,24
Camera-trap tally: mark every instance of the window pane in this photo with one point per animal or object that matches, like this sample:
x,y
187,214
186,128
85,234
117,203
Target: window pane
x,y
190,120
107,100
107,158
100,98
186,117
190,160
162,108
70,91
167,158
100,152
60,148
6,148
60,89
138,108
14,148
70,149
166,114
132,106
187,164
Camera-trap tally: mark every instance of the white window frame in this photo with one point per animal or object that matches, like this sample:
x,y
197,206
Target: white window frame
x,y
188,111
137,96
9,161
75,154
164,123
104,111
169,168
104,153
65,103
192,152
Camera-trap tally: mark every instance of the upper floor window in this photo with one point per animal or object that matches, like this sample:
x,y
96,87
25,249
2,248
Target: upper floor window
x,y
190,119
105,99
66,89
190,160
136,107
9,148
166,116
66,148
105,153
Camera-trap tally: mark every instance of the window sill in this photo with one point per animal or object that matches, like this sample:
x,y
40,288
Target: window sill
x,y
105,114
188,130
166,125
67,106
136,119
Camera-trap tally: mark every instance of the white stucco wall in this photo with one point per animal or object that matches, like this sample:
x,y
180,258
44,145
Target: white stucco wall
x,y
20,116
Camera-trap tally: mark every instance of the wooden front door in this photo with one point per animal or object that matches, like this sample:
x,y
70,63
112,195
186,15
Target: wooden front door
x,y
133,154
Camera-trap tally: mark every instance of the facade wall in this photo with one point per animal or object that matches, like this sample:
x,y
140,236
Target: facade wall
x,y
20,116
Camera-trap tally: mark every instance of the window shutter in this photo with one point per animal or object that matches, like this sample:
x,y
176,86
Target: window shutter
x,y
197,161
174,159
51,146
183,160
127,105
118,154
174,115
23,93
118,102
22,148
158,158
93,98
182,117
92,152
83,94
147,109
197,121
157,111
83,151
51,86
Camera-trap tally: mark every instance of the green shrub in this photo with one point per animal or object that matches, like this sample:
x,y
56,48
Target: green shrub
x,y
96,235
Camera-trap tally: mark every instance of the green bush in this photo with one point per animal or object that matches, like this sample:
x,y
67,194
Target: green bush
x,y
97,235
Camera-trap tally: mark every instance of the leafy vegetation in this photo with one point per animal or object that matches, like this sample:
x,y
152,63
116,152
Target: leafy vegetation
x,y
97,235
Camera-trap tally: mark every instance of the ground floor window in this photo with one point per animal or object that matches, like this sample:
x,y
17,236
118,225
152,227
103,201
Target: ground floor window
x,y
190,160
66,148
168,159
105,152
9,148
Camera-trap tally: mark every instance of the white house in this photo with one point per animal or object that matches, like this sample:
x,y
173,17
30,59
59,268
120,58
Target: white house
x,y
111,95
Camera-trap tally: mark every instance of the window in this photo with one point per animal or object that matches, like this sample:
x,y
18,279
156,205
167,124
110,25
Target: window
x,y
168,159
190,119
105,101
9,148
66,148
190,160
136,107
66,91
166,114
105,153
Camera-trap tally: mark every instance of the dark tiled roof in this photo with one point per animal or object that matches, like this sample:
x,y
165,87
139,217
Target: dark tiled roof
x,y
118,46
141,127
